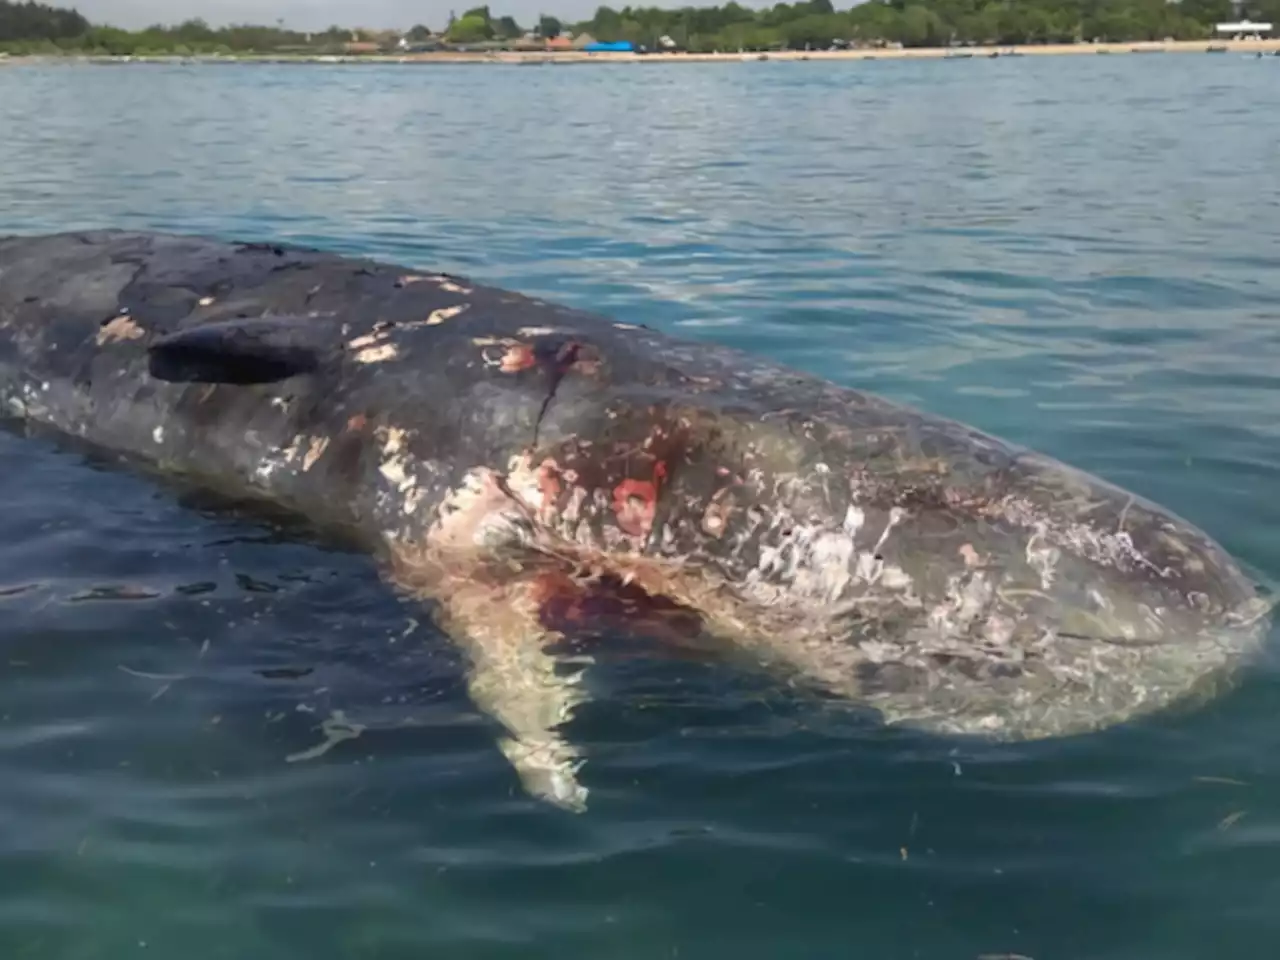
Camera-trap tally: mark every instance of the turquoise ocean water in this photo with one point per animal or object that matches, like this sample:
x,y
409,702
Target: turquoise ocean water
x,y
1079,253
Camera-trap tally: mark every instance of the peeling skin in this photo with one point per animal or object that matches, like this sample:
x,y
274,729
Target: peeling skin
x,y
315,450
378,354
121,327
538,471
445,313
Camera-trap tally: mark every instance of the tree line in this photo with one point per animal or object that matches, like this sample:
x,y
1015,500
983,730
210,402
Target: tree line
x,y
31,27
921,23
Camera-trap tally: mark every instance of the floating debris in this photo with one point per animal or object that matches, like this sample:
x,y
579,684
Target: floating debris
x,y
335,729
284,673
195,589
170,677
115,593
1231,819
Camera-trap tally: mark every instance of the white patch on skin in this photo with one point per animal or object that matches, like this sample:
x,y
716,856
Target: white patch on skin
x,y
1104,604
820,564
625,326
895,517
158,434
494,342
522,481
393,470
412,500
315,450
1042,557
478,513
445,313
395,440
398,468
270,465
379,354
854,518
571,515
537,331
205,301
395,462
1113,549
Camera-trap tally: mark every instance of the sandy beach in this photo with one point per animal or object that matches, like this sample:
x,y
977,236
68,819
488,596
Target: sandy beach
x,y
537,57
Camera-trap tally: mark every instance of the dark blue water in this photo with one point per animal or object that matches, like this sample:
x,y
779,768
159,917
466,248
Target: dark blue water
x,y
1081,254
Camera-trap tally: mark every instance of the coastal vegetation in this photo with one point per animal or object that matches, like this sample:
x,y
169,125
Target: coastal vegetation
x,y
37,28
919,23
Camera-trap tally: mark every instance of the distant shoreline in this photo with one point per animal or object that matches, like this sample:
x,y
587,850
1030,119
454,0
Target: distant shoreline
x,y
538,57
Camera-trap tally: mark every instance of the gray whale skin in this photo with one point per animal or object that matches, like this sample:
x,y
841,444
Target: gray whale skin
x,y
532,470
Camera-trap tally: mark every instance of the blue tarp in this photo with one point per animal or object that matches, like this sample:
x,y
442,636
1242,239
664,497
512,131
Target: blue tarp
x,y
617,46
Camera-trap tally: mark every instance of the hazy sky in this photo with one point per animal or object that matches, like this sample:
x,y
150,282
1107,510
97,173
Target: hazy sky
x,y
318,14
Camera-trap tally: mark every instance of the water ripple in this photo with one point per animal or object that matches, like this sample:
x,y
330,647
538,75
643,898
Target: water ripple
x,y
1077,253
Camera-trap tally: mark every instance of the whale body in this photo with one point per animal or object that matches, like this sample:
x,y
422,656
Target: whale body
x,y
510,460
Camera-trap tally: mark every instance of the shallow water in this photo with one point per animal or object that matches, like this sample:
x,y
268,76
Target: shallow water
x,y
1081,254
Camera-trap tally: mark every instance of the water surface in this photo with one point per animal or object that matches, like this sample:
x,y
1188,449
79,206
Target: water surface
x,y
1079,253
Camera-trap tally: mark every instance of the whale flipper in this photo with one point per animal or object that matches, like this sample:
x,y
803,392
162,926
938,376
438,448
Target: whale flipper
x,y
515,677
517,682
242,351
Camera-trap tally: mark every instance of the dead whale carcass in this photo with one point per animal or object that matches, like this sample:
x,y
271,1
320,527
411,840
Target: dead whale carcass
x,y
511,459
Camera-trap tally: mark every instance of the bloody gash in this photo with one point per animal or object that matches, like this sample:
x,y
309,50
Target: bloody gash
x,y
513,461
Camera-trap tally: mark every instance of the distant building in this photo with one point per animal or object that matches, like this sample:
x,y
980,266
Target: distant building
x,y
1243,30
529,40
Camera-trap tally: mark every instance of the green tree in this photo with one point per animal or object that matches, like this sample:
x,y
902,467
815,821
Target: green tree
x,y
921,27
470,29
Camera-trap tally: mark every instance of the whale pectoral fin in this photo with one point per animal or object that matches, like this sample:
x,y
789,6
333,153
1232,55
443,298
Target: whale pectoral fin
x,y
246,351
521,686
515,678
